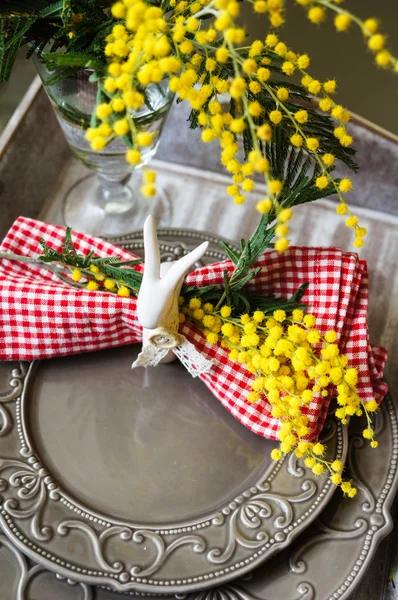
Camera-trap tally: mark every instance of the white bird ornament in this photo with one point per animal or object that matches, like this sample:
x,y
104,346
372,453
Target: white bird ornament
x,y
157,307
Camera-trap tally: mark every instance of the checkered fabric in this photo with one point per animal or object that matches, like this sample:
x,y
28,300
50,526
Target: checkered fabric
x,y
42,316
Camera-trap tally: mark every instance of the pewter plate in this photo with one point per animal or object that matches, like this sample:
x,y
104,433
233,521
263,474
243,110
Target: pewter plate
x,y
326,562
140,479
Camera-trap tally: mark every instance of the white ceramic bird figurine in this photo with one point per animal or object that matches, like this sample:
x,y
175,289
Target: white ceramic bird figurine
x,y
157,307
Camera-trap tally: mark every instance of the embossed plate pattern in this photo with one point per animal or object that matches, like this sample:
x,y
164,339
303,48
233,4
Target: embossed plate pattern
x,y
346,536
140,479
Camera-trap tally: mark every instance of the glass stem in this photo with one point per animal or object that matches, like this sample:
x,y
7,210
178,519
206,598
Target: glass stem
x,y
114,195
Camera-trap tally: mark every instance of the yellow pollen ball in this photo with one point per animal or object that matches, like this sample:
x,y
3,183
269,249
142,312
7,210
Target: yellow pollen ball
x,y
118,10
296,140
148,190
98,143
192,24
303,61
281,244
316,14
346,140
123,291
345,185
237,125
91,133
301,116
260,6
376,42
207,135
109,284
314,86
328,159
263,74
222,22
103,110
262,165
281,49
282,94
281,230
342,22
255,109
322,182
264,132
271,40
288,68
275,116
330,86
325,104
285,215
150,176
342,208
247,169
211,64
222,86
264,206
312,144
118,104
121,127
133,157
248,185
222,55
76,275
254,87
256,48
383,58
352,221
275,187
276,454
144,138
249,65
371,25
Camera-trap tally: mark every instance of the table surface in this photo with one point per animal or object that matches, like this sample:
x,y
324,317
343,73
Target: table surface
x,y
207,210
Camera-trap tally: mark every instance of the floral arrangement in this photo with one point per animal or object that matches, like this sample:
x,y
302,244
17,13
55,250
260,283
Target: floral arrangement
x,y
267,122
275,338
290,129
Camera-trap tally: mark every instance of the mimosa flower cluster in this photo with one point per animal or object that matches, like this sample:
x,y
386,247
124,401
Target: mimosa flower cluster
x,y
241,96
292,362
93,278
376,41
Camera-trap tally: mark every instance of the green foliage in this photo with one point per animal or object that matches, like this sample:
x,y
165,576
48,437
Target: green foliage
x,y
112,267
298,171
233,291
12,31
41,23
17,19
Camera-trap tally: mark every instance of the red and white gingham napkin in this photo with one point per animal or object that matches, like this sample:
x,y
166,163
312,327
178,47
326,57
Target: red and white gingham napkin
x,y
42,316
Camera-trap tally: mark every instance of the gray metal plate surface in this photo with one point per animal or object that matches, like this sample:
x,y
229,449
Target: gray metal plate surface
x,y
326,562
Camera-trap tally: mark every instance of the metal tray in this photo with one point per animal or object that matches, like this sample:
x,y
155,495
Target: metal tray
x,y
140,479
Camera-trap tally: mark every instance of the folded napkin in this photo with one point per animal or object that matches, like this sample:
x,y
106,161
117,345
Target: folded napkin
x,y
41,316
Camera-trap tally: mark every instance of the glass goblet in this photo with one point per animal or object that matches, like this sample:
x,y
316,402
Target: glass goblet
x,y
107,202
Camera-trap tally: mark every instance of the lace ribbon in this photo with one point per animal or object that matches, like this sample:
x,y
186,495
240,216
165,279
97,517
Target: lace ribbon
x,y
195,363
166,339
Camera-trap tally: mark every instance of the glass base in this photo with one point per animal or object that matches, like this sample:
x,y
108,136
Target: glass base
x,y
91,208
